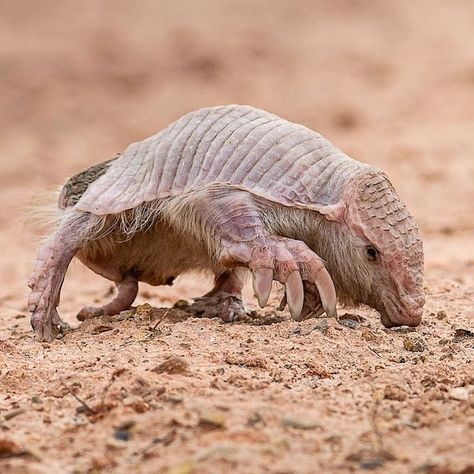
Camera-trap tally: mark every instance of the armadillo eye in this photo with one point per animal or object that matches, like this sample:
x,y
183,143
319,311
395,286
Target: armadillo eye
x,y
371,253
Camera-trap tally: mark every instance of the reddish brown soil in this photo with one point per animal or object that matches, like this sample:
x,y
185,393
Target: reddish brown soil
x,y
391,83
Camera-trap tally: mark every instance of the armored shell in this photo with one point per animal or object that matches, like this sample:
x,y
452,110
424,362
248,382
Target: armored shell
x,y
242,146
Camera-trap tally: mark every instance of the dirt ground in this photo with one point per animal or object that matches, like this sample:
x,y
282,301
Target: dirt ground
x,y
156,390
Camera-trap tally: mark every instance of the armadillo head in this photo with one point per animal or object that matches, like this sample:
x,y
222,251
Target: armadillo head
x,y
388,250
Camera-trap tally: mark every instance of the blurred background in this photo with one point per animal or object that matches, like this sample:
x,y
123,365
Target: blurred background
x,y
390,82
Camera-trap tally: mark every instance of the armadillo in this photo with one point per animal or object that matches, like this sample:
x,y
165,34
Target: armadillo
x,y
236,190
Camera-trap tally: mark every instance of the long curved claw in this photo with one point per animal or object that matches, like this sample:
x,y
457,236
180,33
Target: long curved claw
x,y
262,285
327,292
295,294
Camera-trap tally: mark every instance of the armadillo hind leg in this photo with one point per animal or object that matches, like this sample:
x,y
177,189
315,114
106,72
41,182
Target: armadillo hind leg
x,y
47,278
239,237
225,299
127,292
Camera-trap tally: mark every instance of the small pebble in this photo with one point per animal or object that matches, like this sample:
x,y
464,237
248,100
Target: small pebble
x,y
185,467
441,315
414,344
349,323
144,310
370,336
80,421
136,403
462,333
9,448
371,464
125,315
172,365
102,328
459,393
117,443
394,392
122,435
300,423
254,419
181,304
126,425
12,413
322,325
352,317
211,420
175,399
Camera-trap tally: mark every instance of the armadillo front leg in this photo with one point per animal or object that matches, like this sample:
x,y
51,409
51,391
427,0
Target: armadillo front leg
x,y
242,240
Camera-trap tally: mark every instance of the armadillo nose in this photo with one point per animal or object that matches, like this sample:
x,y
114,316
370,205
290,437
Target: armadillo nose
x,y
403,321
413,310
414,318
405,313
403,318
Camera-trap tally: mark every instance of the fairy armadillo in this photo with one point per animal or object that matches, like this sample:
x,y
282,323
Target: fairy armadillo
x,y
231,189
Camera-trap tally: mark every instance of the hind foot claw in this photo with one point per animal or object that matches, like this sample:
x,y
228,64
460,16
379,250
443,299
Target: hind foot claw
x,y
227,307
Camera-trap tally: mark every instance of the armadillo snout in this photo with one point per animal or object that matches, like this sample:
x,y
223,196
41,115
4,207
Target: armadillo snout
x,y
413,320
407,312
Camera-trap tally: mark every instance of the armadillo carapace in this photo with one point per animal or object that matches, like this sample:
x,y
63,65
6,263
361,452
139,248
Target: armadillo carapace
x,y
231,190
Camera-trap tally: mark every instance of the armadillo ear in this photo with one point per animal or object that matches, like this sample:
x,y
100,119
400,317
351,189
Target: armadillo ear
x,y
334,212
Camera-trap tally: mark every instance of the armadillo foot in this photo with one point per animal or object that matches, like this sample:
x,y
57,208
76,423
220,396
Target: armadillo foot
x,y
224,306
224,300
90,312
289,262
127,292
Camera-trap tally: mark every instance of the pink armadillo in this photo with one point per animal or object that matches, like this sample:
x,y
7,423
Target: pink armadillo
x,y
231,189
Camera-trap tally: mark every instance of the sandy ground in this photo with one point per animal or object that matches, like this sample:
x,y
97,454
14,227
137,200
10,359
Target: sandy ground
x,y
391,83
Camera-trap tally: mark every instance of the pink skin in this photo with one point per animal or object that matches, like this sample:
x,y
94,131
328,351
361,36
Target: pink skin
x,y
46,282
127,292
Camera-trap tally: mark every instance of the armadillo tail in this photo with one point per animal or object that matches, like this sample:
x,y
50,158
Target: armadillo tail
x,y
44,216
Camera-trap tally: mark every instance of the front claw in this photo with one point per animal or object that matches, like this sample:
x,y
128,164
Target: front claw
x,y
294,265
